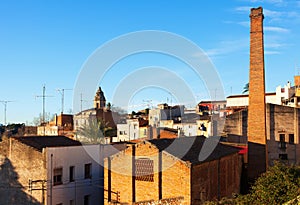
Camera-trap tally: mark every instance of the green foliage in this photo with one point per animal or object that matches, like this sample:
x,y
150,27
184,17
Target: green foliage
x,y
93,131
280,184
246,88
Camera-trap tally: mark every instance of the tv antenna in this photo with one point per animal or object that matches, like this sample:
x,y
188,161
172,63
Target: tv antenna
x,y
62,92
5,108
148,103
44,96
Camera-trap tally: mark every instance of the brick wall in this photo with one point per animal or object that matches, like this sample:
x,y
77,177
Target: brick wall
x,y
257,158
216,179
175,178
256,109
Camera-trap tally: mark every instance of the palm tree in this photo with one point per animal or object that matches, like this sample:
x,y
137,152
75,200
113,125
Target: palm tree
x,y
246,88
93,131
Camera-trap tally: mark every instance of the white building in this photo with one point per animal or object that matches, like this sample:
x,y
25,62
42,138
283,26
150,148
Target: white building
x,y
127,131
76,175
285,95
186,129
243,100
164,112
82,118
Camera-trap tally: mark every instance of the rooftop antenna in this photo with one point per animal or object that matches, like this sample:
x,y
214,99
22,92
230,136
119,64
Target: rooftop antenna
x,y
62,92
149,103
81,101
44,101
5,108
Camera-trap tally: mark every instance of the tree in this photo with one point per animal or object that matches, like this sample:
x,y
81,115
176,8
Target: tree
x,y
119,110
246,88
39,120
280,184
93,131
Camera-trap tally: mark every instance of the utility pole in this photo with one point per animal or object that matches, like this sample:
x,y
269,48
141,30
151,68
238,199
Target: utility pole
x,y
62,92
5,108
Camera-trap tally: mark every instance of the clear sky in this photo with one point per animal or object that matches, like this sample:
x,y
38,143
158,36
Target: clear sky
x,y
47,42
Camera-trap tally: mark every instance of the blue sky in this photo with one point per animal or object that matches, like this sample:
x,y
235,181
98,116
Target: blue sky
x,y
47,42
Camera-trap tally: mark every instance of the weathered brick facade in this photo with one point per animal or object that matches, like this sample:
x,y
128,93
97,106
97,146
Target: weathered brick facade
x,y
256,110
189,182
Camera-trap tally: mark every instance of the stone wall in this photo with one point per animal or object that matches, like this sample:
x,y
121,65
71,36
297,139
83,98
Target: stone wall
x,y
28,164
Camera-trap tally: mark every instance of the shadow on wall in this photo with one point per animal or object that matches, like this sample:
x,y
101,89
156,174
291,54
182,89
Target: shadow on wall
x,y
11,191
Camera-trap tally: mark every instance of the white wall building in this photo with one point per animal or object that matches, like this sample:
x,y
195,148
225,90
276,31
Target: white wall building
x,y
284,95
47,130
128,131
186,129
76,175
82,118
243,100
164,112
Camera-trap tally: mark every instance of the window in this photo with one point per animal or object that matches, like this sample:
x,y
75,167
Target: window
x,y
72,174
144,169
121,132
282,143
145,132
57,176
283,156
86,200
203,128
282,137
291,139
88,171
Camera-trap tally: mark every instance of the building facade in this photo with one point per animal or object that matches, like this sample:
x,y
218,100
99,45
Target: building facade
x,y
53,170
283,128
148,171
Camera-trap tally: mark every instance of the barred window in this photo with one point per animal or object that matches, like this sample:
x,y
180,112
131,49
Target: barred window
x,y
144,169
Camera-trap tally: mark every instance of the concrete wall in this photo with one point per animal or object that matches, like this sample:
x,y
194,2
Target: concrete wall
x,y
236,123
279,120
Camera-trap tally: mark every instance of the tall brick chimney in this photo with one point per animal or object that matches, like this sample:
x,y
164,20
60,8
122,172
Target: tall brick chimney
x,y
257,149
